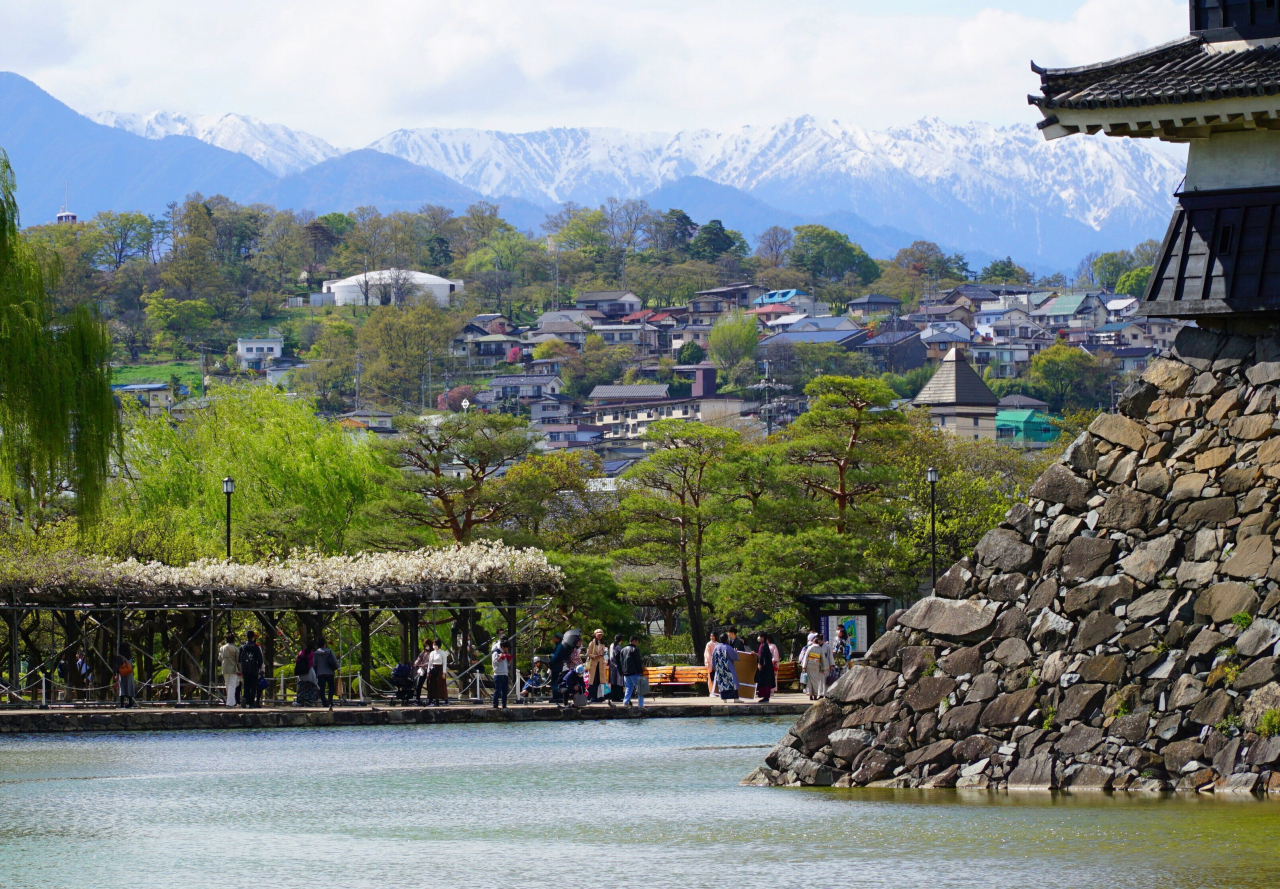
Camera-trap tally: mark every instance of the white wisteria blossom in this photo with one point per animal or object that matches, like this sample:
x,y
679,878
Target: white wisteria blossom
x,y
485,563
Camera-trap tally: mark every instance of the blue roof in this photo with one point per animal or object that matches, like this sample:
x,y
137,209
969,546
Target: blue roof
x,y
893,336
777,296
813,336
1114,326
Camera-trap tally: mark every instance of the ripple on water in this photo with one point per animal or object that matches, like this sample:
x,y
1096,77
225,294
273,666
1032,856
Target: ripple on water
x,y
620,803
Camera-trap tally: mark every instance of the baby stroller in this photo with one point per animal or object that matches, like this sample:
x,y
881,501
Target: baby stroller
x,y
402,679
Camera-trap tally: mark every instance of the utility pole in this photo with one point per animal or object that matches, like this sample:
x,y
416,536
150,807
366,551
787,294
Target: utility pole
x,y
359,369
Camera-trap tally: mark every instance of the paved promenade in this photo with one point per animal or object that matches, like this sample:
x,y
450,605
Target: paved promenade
x,y
169,718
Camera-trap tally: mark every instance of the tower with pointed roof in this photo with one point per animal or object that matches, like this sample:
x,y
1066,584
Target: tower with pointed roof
x,y
1217,89
958,400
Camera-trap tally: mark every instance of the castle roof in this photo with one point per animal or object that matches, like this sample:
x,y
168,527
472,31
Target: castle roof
x,y
956,383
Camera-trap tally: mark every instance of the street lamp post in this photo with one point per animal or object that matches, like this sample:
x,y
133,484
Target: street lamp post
x,y
932,476
228,488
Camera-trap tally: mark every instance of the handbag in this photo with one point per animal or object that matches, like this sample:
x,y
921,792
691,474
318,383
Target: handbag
x,y
804,678
642,686
605,688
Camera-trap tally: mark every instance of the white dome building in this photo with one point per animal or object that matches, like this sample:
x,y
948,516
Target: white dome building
x,y
391,287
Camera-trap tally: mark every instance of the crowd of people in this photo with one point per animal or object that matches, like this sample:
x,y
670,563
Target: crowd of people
x,y
573,675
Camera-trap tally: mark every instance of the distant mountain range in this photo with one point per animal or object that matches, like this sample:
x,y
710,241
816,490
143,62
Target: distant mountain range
x,y
975,188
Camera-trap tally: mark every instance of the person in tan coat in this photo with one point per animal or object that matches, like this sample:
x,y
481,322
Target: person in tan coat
x,y
597,665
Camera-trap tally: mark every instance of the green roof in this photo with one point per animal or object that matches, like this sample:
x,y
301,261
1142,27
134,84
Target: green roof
x,y
1064,305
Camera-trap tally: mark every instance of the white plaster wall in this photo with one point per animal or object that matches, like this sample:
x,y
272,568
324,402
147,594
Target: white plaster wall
x,y
1234,160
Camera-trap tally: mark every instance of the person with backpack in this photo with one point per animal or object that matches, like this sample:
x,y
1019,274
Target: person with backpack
x,y
250,660
326,666
558,655
229,654
304,667
126,685
631,665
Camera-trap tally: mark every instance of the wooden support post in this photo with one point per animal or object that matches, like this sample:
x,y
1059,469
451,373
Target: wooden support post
x,y
365,620
413,635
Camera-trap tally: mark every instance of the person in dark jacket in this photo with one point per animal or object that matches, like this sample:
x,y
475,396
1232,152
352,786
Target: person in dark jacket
x,y
251,667
631,664
327,666
766,669
735,642
558,656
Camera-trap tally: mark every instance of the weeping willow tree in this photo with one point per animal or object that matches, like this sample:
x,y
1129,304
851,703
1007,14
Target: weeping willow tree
x,y
57,417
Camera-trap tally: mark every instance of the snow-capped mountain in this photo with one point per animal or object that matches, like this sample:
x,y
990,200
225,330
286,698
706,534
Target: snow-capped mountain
x,y
986,188
276,147
973,187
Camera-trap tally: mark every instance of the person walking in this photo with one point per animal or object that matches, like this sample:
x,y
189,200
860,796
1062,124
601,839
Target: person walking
x,y
631,666
126,685
615,669
229,654
437,681
251,661
722,661
558,655
502,662
708,656
766,669
421,664
597,666
327,666
816,661
304,667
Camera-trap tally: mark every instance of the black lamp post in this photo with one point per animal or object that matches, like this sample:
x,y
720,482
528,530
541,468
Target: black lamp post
x,y
932,476
228,488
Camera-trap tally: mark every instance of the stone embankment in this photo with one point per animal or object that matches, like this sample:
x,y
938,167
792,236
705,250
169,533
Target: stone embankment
x,y
1119,631
170,719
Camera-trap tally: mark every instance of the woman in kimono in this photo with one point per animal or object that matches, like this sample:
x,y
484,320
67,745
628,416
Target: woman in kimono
x,y
816,661
766,670
722,661
708,656
304,667
127,686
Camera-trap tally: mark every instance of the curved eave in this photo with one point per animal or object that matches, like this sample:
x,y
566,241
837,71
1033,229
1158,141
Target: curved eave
x,y
1174,122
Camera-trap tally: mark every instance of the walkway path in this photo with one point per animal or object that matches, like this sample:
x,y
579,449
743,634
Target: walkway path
x,y
168,718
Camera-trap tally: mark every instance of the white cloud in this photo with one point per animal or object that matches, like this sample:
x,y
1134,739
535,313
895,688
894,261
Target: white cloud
x,y
350,72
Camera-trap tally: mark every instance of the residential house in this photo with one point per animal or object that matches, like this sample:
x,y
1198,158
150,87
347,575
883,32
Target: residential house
x,y
571,435
155,398
369,419
925,315
896,351
826,322
941,337
767,316
1081,311
708,306
602,395
564,331
873,304
1004,321
1118,333
1122,308
551,409
573,316
541,366
259,352
959,401
612,304
1132,359
1161,331
630,420
1008,359
796,300
494,348
642,337
492,322
1019,402
688,333
1024,427
845,339
521,386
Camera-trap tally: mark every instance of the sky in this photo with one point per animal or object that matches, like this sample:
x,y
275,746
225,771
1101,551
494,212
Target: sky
x,y
352,72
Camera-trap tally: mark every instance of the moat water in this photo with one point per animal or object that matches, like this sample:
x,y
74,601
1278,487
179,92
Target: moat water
x,y
610,804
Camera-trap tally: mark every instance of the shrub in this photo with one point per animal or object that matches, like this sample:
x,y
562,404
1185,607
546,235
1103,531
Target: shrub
x,y
1269,724
1231,672
1226,726
1049,714
1243,620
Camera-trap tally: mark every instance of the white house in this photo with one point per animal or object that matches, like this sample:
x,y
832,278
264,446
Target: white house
x,y
391,287
259,353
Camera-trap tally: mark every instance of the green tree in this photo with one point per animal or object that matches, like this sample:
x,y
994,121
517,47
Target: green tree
x,y
673,499
690,353
733,340
1067,375
1134,282
827,254
192,271
774,571
56,410
713,240
1111,267
452,472
1004,271
829,443
301,482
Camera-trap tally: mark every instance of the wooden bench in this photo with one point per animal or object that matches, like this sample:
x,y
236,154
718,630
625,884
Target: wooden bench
x,y
674,680
788,674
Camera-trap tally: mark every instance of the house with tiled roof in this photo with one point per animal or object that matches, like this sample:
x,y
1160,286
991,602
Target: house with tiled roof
x,y
1079,310
896,351
873,304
